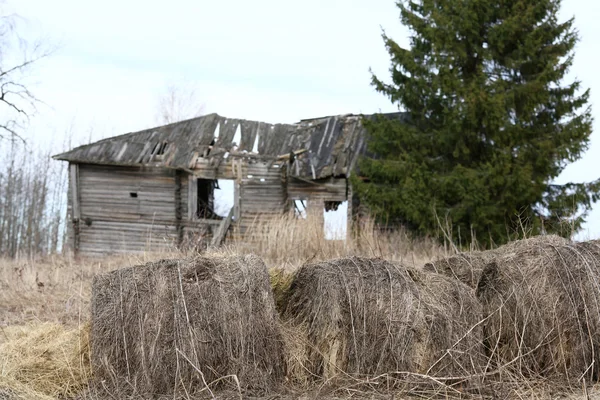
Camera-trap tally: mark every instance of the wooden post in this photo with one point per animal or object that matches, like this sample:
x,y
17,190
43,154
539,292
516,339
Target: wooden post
x,y
192,197
350,214
75,209
221,232
74,175
178,211
236,201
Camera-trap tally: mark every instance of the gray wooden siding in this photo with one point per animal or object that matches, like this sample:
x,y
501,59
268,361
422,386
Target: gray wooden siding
x,y
320,190
113,221
262,195
160,216
105,194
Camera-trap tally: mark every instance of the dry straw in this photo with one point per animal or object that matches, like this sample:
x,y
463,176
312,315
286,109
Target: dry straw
x,y
467,267
43,361
366,317
543,311
187,326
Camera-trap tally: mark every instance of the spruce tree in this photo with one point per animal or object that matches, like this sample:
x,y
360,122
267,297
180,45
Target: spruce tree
x,y
490,123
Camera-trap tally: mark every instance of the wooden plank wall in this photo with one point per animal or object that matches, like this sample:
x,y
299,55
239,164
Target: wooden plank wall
x,y
113,221
320,190
265,192
261,197
316,193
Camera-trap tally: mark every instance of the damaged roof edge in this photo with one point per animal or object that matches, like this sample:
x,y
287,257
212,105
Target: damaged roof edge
x,y
124,135
332,143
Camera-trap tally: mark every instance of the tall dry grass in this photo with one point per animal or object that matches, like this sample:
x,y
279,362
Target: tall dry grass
x,y
57,288
288,242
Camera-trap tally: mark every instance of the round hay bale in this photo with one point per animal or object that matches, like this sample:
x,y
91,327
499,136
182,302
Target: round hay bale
x,y
368,317
543,310
187,325
467,267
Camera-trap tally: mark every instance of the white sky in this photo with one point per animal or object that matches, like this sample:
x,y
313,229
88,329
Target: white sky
x,y
268,60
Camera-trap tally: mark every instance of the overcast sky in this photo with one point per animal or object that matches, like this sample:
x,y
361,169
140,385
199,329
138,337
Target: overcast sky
x,y
270,60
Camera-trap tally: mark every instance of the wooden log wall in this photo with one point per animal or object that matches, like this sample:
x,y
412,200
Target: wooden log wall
x,y
135,209
317,192
129,209
260,197
265,192
320,190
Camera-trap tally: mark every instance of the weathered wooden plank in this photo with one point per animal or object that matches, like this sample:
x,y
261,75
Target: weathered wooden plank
x,y
74,181
350,212
219,235
192,196
236,201
128,208
327,190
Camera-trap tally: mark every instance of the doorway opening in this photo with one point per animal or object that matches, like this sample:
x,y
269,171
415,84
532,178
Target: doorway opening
x,y
335,220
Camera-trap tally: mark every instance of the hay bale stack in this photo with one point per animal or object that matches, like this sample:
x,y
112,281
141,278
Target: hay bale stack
x,y
543,308
368,317
467,267
178,325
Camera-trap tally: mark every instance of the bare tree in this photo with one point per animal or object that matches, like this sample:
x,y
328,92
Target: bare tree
x,y
32,201
177,103
17,56
32,187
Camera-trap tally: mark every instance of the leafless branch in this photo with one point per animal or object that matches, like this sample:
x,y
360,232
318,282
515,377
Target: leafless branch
x,y
17,101
178,103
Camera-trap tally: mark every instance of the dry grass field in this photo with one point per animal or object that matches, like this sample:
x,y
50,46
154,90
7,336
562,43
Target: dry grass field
x,y
45,315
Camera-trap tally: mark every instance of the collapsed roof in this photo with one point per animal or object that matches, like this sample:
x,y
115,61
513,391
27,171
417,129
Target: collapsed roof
x,y
321,147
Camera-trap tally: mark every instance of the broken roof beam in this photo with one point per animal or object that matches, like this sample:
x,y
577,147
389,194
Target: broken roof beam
x,y
334,145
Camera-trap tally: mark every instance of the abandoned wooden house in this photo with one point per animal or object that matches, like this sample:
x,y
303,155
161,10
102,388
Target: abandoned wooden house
x,y
155,188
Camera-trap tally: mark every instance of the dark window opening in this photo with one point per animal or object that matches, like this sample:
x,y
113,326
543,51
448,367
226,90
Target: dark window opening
x,y
206,199
160,148
133,195
332,205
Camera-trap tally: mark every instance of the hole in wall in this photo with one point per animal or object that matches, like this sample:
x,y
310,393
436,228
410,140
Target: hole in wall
x,y
255,146
300,209
160,148
224,197
335,220
236,143
216,134
205,201
133,195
